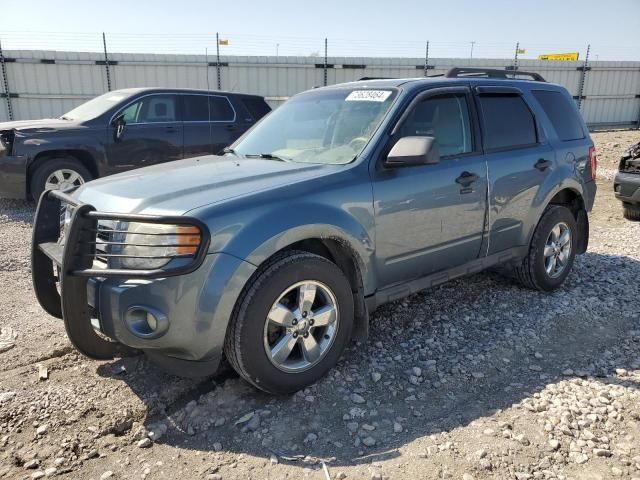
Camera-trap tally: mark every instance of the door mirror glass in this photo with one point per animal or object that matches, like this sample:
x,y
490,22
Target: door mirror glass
x,y
411,151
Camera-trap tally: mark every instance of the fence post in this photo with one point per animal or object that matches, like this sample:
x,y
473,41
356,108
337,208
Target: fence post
x,y
426,59
106,62
583,78
218,60
515,58
325,61
5,85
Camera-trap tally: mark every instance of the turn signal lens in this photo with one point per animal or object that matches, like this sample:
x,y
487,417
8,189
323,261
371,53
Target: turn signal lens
x,y
593,160
188,240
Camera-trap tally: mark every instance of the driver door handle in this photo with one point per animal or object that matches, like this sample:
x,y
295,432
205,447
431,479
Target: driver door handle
x,y
467,178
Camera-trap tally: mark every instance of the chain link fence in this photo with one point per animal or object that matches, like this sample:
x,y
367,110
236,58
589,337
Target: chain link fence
x,y
45,74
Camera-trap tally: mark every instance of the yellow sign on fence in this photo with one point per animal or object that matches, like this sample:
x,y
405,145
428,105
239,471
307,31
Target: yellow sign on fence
x,y
573,56
223,41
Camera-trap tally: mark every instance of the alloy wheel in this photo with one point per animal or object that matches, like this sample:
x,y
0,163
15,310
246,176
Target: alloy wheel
x,y
557,250
301,326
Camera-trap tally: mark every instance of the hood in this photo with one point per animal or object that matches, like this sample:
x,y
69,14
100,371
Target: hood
x,y
174,188
37,126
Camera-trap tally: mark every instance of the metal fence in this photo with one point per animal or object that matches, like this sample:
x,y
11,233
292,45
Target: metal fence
x,y
40,83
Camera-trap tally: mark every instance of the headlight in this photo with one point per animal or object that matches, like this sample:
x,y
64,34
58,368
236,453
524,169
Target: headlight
x,y
147,246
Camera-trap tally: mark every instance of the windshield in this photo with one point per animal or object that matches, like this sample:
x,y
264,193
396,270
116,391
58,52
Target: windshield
x,y
95,107
323,126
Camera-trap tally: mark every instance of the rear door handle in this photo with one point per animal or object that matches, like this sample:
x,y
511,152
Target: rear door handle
x,y
467,178
171,129
542,164
230,127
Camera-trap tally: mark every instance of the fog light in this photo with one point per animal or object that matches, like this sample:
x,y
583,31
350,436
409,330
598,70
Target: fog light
x,y
146,322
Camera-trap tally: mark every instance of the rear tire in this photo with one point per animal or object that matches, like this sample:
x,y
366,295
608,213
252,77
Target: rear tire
x,y
551,252
631,212
271,342
63,171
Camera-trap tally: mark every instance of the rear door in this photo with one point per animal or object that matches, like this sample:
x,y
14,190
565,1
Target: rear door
x,y
519,159
223,123
152,133
431,217
197,128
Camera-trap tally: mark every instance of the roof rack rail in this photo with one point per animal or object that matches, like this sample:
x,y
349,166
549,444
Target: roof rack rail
x,y
492,73
375,78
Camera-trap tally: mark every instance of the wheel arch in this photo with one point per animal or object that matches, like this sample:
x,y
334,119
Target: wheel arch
x,y
336,248
83,156
570,196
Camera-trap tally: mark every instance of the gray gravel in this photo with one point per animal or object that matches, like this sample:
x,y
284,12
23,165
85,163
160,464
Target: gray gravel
x,y
476,379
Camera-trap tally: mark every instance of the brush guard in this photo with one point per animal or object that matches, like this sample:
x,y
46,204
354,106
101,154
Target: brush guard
x,y
75,262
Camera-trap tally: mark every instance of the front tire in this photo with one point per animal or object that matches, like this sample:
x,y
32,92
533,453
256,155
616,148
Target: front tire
x,y
58,174
551,252
291,324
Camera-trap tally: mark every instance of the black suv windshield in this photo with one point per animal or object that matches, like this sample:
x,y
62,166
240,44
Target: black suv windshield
x,y
96,106
323,126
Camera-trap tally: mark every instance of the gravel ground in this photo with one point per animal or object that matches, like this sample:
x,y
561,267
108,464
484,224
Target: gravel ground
x,y
478,378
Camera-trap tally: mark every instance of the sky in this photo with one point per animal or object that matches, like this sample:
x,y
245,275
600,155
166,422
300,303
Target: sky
x,y
490,28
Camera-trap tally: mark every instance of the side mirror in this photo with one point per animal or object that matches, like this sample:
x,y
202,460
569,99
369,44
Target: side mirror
x,y
118,123
412,151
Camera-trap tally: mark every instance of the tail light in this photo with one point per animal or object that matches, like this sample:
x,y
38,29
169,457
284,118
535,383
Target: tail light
x,y
593,161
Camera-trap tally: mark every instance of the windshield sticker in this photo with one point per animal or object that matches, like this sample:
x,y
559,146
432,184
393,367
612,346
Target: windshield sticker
x,y
368,96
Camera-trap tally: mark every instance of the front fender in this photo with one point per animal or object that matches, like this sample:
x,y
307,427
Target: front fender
x,y
263,235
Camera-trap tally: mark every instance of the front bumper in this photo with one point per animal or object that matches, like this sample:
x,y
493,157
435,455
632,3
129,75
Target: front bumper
x,y
627,187
13,176
195,296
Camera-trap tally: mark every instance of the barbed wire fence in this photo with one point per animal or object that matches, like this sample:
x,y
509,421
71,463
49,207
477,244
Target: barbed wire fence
x,y
221,49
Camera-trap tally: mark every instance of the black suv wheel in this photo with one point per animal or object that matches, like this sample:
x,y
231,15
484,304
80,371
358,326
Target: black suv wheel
x,y
551,252
291,324
58,174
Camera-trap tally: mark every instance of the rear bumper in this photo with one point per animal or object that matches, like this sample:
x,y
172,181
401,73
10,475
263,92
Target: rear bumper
x,y
627,187
13,176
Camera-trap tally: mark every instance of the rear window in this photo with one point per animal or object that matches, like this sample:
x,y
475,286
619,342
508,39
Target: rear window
x,y
221,110
195,108
257,107
561,113
508,122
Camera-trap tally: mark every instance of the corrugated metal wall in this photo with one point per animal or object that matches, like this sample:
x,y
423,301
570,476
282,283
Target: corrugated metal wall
x,y
47,83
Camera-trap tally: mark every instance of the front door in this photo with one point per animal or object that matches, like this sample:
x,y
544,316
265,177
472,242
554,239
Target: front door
x,y
431,217
152,133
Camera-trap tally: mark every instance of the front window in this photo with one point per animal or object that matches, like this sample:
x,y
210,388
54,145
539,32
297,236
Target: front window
x,y
151,109
96,106
325,126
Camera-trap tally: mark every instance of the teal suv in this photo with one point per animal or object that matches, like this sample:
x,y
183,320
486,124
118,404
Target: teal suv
x,y
275,253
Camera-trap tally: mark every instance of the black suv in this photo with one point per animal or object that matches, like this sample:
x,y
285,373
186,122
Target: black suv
x,y
627,183
118,131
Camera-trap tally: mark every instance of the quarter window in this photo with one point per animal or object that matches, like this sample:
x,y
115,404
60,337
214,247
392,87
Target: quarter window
x,y
221,110
508,122
445,117
151,109
562,114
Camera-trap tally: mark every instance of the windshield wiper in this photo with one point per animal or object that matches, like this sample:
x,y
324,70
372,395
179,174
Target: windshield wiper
x,y
269,156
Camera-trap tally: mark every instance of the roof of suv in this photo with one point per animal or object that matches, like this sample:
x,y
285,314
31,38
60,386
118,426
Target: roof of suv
x,y
135,91
457,75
